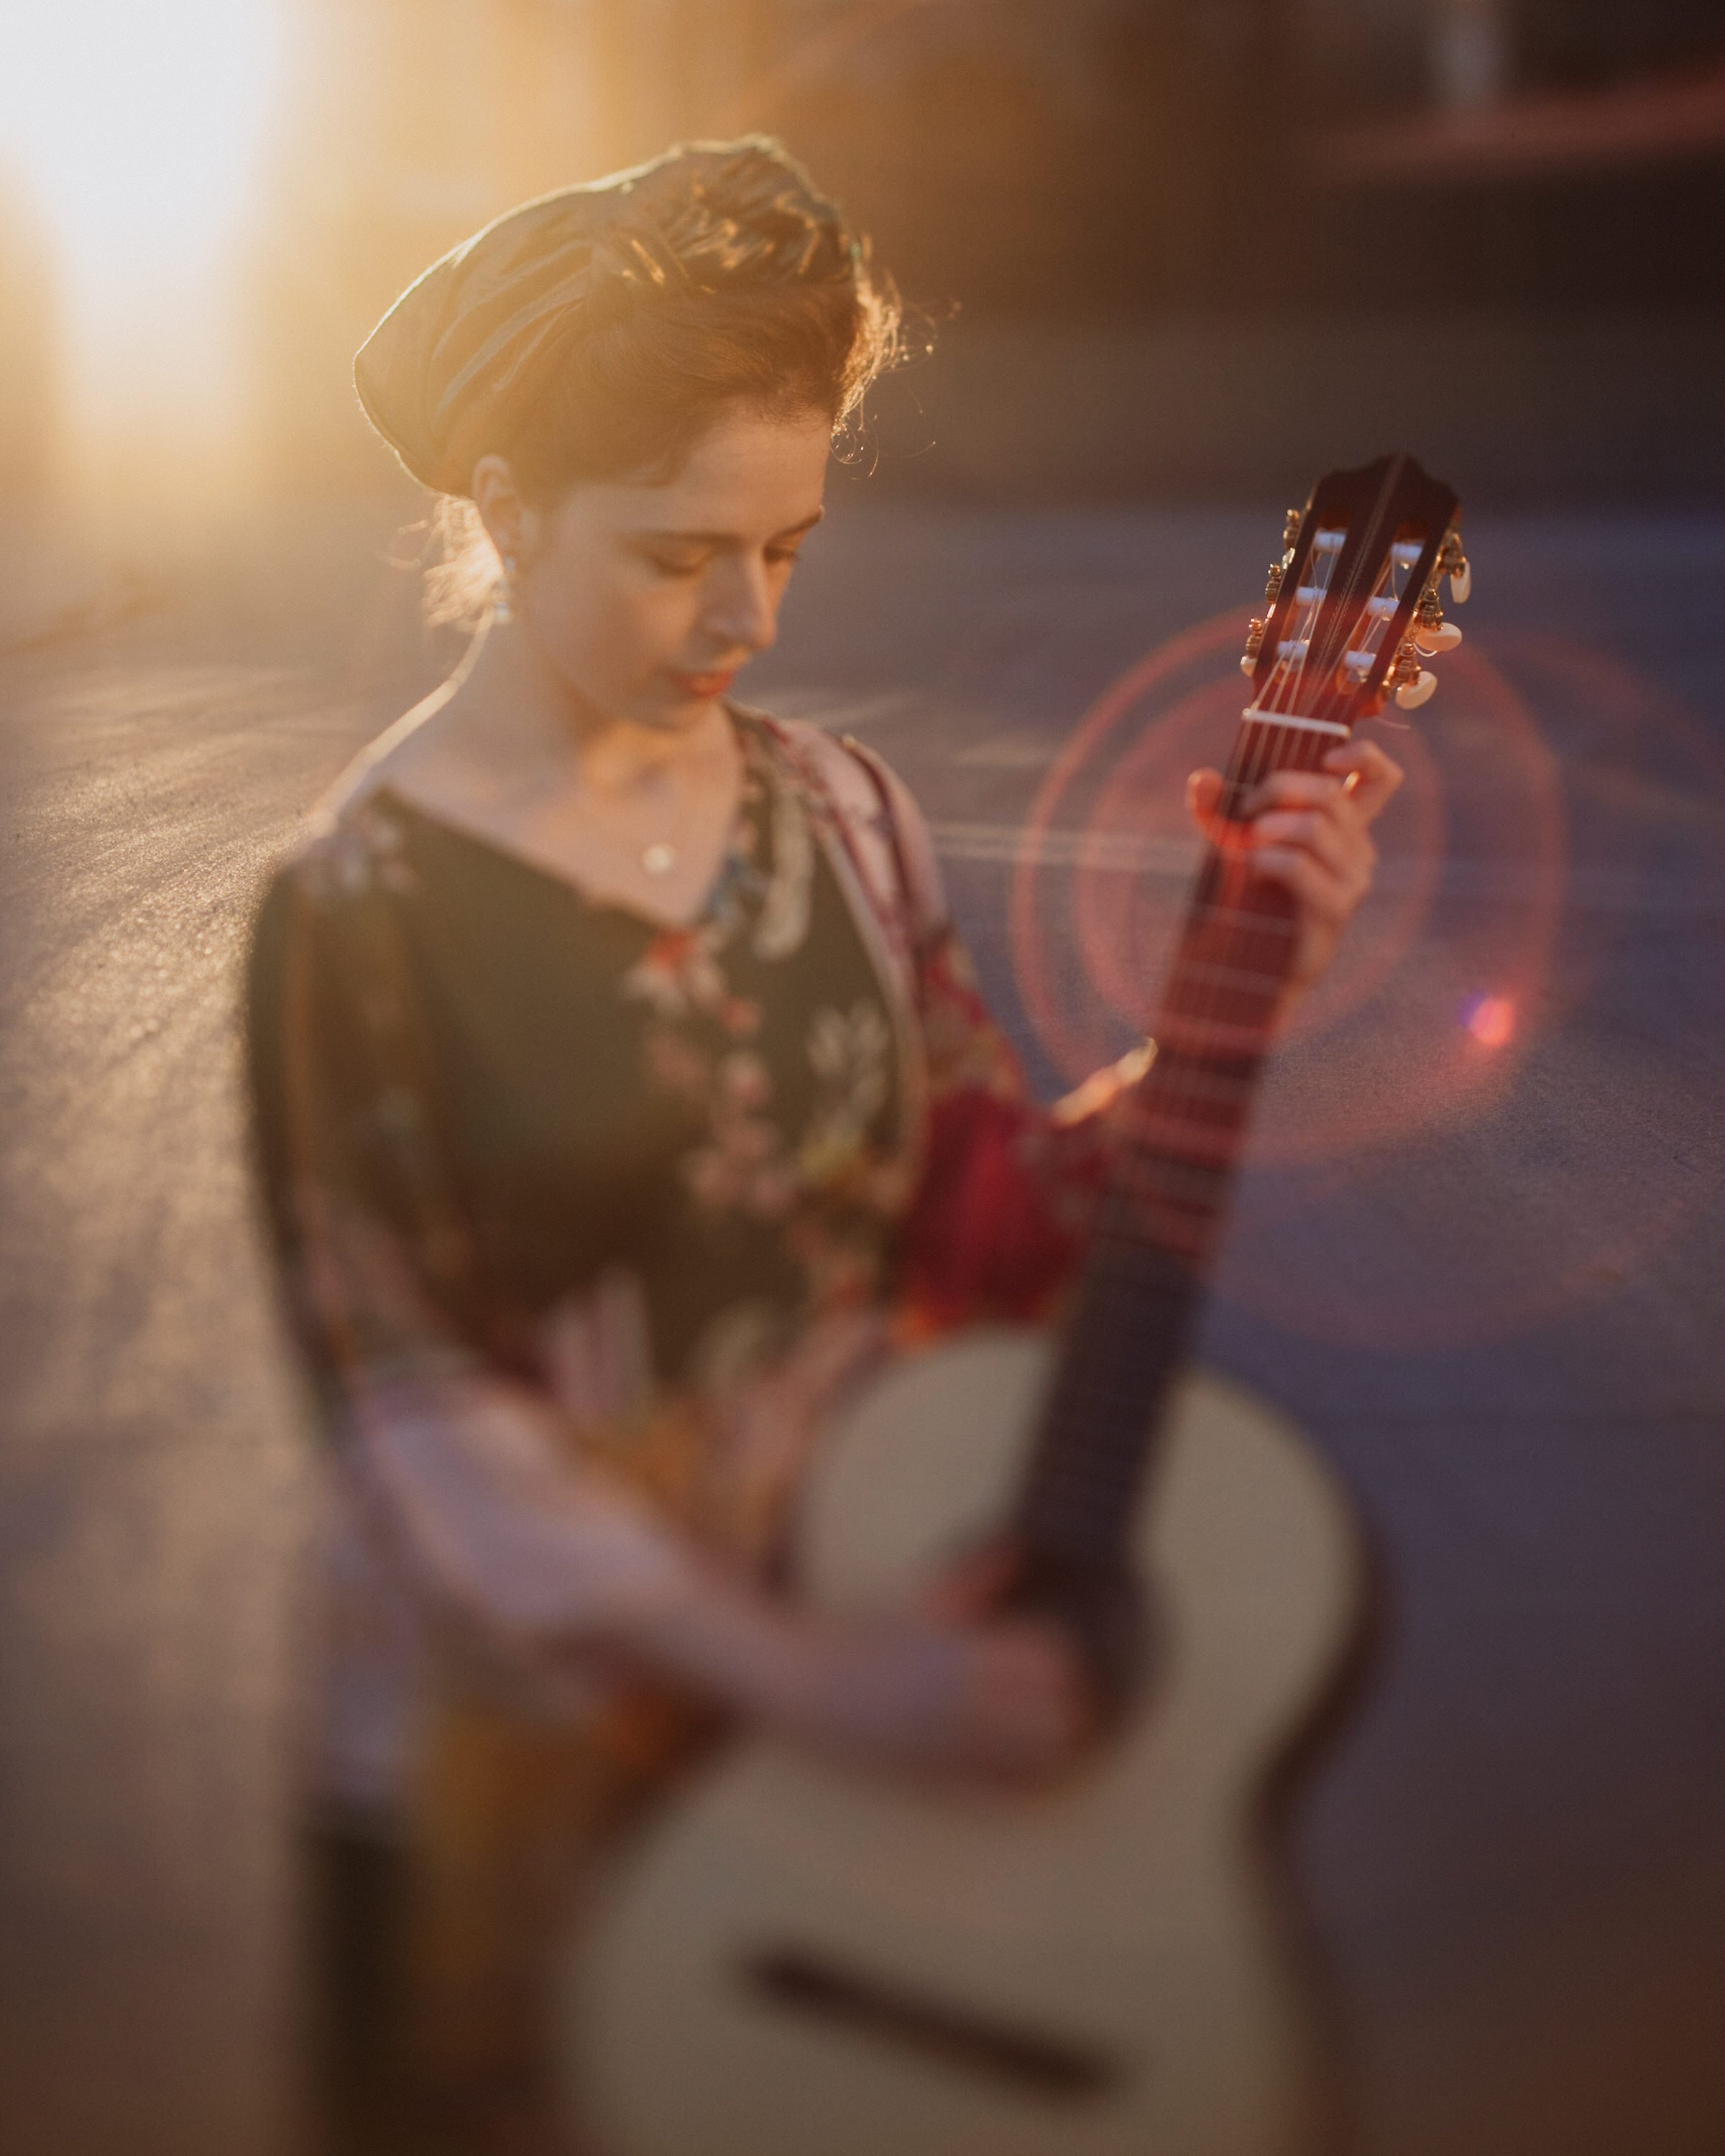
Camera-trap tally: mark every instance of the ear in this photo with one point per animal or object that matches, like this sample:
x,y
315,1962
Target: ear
x,y
507,515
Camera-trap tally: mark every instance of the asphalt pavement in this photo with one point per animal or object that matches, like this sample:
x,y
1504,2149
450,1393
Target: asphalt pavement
x,y
1476,1255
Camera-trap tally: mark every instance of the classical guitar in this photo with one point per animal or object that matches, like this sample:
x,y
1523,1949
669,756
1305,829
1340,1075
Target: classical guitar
x,y
799,1960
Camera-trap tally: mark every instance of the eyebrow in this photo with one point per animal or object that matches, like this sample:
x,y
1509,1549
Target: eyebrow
x,y
725,538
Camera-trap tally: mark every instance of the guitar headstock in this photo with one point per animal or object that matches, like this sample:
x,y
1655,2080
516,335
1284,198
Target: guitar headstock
x,y
1355,598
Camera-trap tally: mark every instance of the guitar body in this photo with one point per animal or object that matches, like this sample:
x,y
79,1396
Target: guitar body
x,y
803,1960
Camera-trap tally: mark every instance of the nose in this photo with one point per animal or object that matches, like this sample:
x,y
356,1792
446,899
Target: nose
x,y
745,608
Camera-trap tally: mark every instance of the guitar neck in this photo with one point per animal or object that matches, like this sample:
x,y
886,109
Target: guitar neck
x,y
1175,1145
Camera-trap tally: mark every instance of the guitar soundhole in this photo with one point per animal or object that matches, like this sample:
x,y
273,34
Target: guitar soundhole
x,y
1034,2064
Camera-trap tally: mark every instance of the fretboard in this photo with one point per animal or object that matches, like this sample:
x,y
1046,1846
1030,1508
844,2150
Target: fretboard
x,y
1175,1144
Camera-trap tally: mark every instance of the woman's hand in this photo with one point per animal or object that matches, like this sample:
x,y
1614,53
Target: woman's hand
x,y
1310,831
1005,1700
549,1565
952,1687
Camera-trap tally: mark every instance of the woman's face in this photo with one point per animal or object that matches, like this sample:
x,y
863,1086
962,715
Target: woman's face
x,y
646,600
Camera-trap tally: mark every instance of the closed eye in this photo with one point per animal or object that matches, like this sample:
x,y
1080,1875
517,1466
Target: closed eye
x,y
677,565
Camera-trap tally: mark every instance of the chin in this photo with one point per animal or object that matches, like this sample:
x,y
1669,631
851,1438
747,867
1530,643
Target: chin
x,y
668,713
673,704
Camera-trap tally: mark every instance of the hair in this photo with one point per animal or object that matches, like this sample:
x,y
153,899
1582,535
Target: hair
x,y
757,299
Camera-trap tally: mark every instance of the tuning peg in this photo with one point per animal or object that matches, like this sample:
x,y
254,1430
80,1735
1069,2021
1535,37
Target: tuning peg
x,y
1289,530
1452,563
1412,683
1272,583
1254,644
1431,632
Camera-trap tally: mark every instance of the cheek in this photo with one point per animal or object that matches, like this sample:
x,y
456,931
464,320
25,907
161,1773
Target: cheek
x,y
610,632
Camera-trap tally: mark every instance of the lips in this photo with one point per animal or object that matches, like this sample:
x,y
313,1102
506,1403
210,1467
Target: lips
x,y
703,684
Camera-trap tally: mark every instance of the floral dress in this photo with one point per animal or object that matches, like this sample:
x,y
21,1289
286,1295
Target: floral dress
x,y
651,1173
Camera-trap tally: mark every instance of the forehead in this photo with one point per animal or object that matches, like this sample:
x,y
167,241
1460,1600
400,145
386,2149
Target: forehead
x,y
748,477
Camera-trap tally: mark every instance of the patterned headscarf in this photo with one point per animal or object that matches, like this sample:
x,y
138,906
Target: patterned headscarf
x,y
474,332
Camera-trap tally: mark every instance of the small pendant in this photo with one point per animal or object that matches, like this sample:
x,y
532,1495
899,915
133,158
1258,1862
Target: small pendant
x,y
658,859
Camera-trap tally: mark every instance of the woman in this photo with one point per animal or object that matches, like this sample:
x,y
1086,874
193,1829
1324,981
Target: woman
x,y
621,1089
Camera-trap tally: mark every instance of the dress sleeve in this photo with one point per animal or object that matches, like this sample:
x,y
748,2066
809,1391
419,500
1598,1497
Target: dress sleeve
x,y
379,1295
369,1295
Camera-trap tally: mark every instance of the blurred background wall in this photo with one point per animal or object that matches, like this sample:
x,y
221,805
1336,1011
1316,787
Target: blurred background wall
x,y
1185,247
1165,246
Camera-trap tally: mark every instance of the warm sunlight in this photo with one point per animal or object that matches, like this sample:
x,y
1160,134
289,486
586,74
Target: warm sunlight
x,y
132,127
133,123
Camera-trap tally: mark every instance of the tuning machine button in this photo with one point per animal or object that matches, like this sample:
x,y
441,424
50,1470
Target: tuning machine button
x,y
1412,682
1452,562
1430,632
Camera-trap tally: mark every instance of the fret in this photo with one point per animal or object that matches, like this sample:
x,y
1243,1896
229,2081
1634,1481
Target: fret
x,y
1109,1344
1180,1121
1185,1030
1186,1137
1242,917
1146,1271
1229,1022
1236,896
1125,1285
1183,1226
1215,958
1187,1075
1263,959
1185,1098
1254,976
1184,1231
1178,1181
1219,1006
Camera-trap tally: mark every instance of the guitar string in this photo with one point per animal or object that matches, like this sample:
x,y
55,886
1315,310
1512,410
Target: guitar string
x,y
1101,1478
1260,752
1086,1481
1245,770
1259,745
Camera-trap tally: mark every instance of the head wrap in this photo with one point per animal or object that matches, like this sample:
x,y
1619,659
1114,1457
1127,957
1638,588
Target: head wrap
x,y
475,331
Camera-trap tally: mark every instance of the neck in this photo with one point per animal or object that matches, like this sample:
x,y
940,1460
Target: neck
x,y
527,720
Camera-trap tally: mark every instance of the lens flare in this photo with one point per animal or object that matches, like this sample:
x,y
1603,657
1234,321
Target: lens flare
x,y
1470,886
1491,1019
1433,1197
1426,1168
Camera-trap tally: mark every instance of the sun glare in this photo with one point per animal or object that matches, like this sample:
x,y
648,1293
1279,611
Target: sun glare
x,y
133,121
132,127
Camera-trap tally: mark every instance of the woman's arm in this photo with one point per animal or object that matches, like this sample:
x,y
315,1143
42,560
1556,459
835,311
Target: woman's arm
x,y
471,1477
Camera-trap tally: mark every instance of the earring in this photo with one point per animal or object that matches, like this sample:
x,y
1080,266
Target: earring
x,y
503,598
